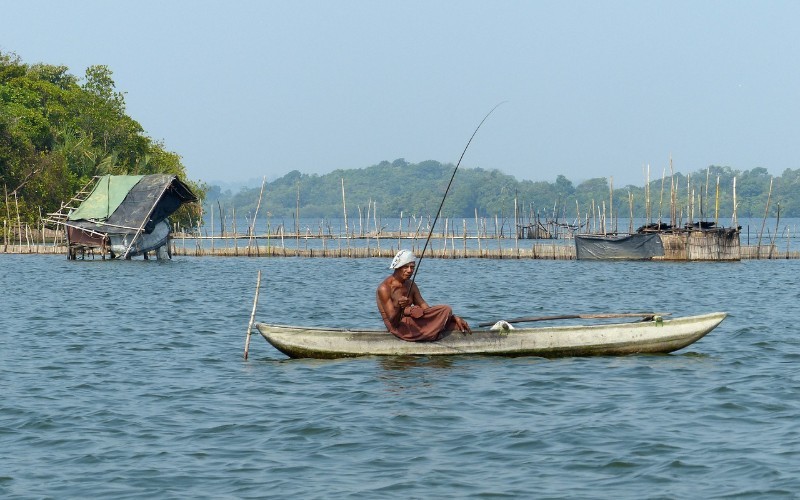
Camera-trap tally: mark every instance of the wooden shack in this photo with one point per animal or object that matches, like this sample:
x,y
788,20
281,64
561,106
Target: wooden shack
x,y
122,216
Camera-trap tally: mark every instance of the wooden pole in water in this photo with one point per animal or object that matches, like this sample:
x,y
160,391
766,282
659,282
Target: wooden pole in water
x,y
764,222
478,231
465,237
235,239
647,213
255,216
611,204
661,199
775,236
297,221
252,317
377,231
716,206
787,242
630,205
516,227
705,207
400,230
344,209
19,220
672,194
735,221
6,227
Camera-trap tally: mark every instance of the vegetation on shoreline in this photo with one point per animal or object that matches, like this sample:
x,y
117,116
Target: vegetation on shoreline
x,y
417,188
58,131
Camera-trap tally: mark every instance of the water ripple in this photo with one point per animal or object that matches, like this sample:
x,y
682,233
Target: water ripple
x,y
132,385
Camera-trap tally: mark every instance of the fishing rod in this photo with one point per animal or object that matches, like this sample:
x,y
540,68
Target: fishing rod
x,y
438,212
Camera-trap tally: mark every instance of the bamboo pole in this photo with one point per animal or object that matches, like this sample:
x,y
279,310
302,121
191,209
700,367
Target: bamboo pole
x,y
787,241
41,222
705,208
252,317
478,231
672,194
611,202
775,236
647,213
255,216
400,229
603,219
716,205
497,233
6,226
453,241
661,199
516,227
235,239
630,219
19,220
676,204
344,208
764,221
297,221
465,237
377,231
733,217
198,240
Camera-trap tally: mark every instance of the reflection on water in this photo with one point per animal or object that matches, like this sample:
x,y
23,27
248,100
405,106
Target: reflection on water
x,y
400,363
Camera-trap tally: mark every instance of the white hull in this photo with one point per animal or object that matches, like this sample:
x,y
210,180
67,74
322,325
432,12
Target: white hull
x,y
655,336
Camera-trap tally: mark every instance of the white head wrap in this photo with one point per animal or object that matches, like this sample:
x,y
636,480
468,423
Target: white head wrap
x,y
402,258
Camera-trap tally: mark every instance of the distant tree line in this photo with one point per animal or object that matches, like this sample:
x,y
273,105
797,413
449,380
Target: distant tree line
x,y
58,131
390,188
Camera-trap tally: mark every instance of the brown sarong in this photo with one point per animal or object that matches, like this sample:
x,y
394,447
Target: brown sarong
x,y
428,327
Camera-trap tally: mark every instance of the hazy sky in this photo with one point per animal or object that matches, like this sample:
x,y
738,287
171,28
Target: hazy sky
x,y
245,89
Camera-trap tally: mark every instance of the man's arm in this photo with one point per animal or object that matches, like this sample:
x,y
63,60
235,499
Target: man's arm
x,y
416,297
385,298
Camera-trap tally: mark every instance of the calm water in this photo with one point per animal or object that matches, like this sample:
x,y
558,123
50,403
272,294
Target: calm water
x,y
126,380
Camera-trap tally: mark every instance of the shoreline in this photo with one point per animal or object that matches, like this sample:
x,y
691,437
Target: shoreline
x,y
536,251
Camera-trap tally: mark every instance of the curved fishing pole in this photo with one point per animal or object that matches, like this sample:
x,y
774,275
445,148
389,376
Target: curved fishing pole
x,y
438,212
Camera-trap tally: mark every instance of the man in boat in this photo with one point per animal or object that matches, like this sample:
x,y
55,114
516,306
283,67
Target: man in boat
x,y
405,313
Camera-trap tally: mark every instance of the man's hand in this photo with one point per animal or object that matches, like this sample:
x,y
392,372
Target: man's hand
x,y
462,325
403,302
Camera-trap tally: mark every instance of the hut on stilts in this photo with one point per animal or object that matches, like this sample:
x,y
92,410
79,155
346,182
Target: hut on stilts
x,y
122,216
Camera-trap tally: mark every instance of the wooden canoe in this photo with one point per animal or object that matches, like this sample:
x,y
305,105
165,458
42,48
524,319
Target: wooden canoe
x,y
656,335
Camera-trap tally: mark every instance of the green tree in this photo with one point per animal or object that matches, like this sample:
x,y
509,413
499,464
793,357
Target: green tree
x,y
56,133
